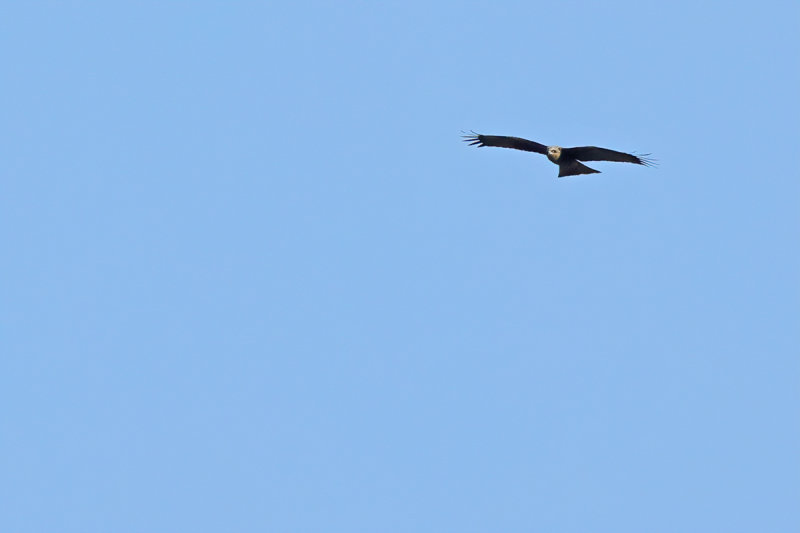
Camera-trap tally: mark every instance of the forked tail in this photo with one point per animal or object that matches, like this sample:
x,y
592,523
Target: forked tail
x,y
573,168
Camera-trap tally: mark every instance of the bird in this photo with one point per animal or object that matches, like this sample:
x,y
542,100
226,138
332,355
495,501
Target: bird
x,y
567,159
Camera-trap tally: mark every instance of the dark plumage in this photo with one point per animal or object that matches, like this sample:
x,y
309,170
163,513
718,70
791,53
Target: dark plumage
x,y
567,159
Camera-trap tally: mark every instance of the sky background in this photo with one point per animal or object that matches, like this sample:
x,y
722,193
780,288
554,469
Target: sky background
x,y
252,280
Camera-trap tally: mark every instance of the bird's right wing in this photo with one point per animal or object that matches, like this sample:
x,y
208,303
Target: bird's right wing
x,y
516,143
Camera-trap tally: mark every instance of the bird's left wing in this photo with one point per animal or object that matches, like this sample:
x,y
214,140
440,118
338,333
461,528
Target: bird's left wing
x,y
593,153
516,143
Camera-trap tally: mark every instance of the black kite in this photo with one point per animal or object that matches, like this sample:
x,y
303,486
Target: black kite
x,y
567,159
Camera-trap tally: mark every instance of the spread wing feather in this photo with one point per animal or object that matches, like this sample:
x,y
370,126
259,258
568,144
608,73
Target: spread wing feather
x,y
593,153
516,143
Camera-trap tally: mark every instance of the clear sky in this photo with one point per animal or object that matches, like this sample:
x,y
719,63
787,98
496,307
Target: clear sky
x,y
252,280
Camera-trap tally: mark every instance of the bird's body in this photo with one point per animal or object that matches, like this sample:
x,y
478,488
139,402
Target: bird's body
x,y
567,159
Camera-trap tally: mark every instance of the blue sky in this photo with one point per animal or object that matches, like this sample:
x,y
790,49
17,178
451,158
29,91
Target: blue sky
x,y
252,280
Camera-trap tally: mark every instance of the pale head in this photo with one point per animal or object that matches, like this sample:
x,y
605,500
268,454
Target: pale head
x,y
553,153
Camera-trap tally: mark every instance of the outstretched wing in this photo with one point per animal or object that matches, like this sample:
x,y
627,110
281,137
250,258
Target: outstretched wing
x,y
593,153
516,143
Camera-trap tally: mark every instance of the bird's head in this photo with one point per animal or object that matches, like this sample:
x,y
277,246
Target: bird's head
x,y
553,153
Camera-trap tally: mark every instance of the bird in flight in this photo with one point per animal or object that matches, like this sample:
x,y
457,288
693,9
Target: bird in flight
x,y
567,159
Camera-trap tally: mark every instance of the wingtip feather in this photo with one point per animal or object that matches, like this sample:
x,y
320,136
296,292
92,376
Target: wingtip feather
x,y
646,160
472,139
